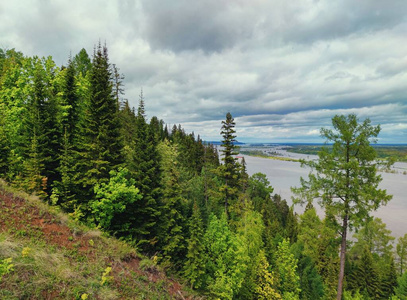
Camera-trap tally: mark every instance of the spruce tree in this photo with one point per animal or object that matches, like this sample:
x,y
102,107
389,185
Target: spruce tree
x,y
101,145
82,63
229,170
65,188
145,168
365,277
172,221
194,267
4,145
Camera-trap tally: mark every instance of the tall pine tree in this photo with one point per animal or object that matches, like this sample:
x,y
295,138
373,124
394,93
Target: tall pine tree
x,y
101,145
145,166
229,170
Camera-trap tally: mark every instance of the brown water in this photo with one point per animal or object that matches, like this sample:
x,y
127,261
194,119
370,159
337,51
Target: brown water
x,y
285,174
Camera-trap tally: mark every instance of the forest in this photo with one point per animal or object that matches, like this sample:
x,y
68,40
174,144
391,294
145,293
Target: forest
x,y
68,135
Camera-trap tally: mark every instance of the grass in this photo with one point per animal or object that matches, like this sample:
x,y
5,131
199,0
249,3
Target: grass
x,y
54,257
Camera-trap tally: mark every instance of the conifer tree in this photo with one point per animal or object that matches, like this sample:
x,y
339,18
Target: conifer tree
x,y
365,277
401,290
42,130
101,145
346,179
388,279
145,168
172,236
286,268
265,282
194,268
229,169
227,258
4,145
82,63
64,189
70,104
118,89
401,250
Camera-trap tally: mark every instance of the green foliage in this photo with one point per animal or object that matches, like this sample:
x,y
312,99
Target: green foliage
x,y
172,239
259,190
401,290
113,200
227,259
144,166
401,250
250,229
100,147
347,295
229,169
6,267
388,278
375,237
265,281
82,63
365,277
106,278
194,268
286,269
346,180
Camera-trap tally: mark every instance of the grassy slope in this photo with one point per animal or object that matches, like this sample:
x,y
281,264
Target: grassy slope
x,y
57,258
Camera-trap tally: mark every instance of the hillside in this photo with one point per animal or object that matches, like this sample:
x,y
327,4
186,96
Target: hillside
x,y
54,257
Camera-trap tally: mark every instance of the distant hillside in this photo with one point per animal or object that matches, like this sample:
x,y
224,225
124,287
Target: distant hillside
x,y
44,254
396,152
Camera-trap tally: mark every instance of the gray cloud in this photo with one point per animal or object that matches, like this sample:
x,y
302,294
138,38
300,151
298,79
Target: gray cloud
x,y
282,68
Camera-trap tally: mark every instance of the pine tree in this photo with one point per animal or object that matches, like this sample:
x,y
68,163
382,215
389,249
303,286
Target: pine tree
x,y
388,280
401,250
101,145
145,168
118,89
4,145
227,259
286,268
65,189
346,179
229,169
194,268
82,63
401,290
70,104
172,236
265,288
365,277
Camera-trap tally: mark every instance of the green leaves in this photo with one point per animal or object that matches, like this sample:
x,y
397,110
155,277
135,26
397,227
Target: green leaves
x,y
226,259
112,199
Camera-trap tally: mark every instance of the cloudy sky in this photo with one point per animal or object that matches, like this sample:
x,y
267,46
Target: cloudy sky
x,y
282,68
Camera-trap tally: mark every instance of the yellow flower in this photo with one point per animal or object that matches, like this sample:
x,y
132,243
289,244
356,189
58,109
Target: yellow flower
x,y
26,251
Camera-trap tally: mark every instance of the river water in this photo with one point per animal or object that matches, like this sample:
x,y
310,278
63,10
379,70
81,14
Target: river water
x,y
285,174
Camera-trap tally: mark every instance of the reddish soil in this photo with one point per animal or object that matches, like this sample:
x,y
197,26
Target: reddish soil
x,y
21,216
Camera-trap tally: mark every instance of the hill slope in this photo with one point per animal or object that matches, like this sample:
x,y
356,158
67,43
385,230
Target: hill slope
x,y
53,257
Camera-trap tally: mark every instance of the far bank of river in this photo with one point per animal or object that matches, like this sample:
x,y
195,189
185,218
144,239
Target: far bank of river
x,y
285,174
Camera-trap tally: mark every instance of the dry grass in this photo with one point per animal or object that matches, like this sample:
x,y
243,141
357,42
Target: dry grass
x,y
54,257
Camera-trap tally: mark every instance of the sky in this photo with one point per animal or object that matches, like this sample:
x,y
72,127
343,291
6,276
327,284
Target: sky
x,y
282,68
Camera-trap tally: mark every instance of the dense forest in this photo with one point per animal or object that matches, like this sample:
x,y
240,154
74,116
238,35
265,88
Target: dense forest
x,y
69,135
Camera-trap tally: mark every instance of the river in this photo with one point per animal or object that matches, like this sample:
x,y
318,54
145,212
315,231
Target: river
x,y
285,174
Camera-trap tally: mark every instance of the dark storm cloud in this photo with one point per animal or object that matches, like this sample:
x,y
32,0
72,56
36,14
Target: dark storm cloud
x,y
196,25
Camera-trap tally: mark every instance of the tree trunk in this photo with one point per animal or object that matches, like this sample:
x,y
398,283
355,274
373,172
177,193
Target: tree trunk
x,y
342,258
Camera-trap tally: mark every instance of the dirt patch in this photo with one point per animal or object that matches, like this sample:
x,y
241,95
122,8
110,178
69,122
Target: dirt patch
x,y
21,218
